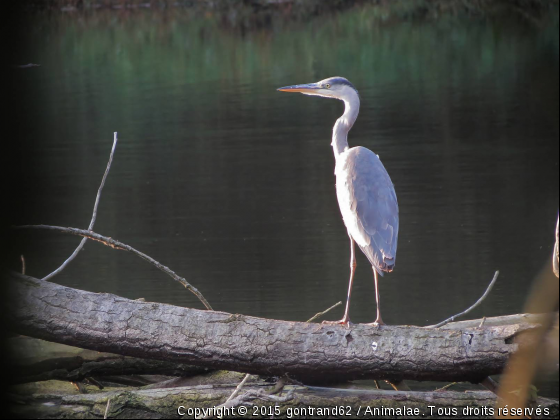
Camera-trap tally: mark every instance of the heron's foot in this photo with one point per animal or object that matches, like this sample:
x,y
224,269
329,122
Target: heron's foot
x,y
344,321
378,323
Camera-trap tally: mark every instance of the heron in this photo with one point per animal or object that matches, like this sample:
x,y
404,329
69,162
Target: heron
x,y
366,195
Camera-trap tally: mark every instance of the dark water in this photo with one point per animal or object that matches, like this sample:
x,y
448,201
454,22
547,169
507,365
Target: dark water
x,y
231,183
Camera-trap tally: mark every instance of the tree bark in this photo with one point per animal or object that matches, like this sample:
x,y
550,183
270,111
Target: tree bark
x,y
217,340
164,403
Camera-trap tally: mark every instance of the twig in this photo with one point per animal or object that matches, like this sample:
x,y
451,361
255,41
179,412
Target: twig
x,y
107,408
482,322
232,396
22,265
478,302
93,217
398,386
238,389
320,314
112,243
446,387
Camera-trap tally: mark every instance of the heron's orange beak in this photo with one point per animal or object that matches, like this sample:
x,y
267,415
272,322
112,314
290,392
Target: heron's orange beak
x,y
308,88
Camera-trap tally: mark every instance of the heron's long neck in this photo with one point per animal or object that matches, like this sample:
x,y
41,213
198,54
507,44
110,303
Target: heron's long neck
x,y
345,123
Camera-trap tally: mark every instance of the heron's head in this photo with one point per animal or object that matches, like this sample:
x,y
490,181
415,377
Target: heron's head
x,y
333,87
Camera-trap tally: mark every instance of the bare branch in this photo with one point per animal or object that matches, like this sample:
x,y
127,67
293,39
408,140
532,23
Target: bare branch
x,y
320,314
446,387
110,242
232,401
238,389
398,385
93,217
107,408
96,205
478,302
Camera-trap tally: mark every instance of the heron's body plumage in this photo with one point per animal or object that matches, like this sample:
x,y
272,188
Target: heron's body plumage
x,y
369,206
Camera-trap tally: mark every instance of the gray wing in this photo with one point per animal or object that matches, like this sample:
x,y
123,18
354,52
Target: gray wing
x,y
369,206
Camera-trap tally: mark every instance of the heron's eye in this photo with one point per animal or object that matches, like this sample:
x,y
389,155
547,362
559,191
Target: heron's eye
x,y
328,85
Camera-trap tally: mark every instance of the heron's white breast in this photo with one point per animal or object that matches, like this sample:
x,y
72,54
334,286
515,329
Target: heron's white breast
x,y
346,201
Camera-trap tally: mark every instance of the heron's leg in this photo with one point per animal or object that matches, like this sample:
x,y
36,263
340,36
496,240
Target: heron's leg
x,y
353,264
378,321
346,319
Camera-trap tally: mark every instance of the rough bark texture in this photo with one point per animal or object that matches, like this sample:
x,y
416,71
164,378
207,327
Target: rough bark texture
x,y
219,340
38,360
164,403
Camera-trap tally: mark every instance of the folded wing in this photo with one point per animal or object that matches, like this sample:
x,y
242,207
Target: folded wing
x,y
369,206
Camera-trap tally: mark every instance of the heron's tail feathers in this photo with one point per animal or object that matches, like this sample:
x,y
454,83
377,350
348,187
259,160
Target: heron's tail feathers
x,y
381,262
385,266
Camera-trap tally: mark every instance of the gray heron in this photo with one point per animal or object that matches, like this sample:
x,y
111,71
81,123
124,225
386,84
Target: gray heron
x,y
365,193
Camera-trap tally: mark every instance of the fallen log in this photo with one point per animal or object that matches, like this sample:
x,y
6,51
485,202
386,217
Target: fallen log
x,y
217,340
38,360
304,402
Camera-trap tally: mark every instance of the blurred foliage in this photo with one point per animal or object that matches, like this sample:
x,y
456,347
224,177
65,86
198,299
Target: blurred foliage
x,y
211,45
250,14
